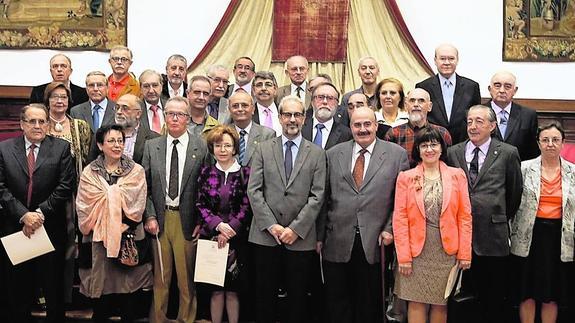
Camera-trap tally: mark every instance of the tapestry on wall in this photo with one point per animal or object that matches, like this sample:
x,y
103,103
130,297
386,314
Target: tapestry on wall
x,y
62,24
539,30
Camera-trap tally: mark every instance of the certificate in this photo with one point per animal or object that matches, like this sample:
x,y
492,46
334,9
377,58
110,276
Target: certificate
x,y
452,279
20,248
211,262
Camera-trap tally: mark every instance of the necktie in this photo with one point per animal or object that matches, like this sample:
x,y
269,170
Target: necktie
x,y
214,110
318,135
173,185
503,123
298,91
31,167
242,146
448,98
474,166
155,119
288,159
268,122
96,117
358,168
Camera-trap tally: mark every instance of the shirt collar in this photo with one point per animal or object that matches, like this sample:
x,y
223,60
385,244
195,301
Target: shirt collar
x,y
103,104
296,140
183,139
497,109
234,168
451,79
28,143
484,147
328,124
303,87
357,148
247,129
149,105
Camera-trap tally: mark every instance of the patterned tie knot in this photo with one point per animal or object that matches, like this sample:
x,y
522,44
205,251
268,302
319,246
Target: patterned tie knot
x,y
362,151
32,147
447,83
243,132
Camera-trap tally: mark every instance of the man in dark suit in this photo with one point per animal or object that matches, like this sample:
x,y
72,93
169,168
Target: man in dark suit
x,y
170,212
296,68
320,126
98,108
244,71
451,94
60,68
264,88
218,105
153,103
356,220
174,81
286,191
241,108
516,125
36,180
493,170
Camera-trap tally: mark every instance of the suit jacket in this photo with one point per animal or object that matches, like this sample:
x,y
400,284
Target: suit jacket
x,y
144,119
409,224
53,181
84,112
79,94
223,111
521,131
339,133
369,206
294,202
258,134
286,90
495,196
154,162
522,226
166,91
466,95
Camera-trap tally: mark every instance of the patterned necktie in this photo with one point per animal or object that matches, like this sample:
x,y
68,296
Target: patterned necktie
x,y
242,153
268,122
318,135
288,163
503,123
358,168
155,119
31,167
474,166
173,185
96,117
213,110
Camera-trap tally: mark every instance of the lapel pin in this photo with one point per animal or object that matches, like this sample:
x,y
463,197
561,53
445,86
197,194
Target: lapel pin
x,y
194,156
495,152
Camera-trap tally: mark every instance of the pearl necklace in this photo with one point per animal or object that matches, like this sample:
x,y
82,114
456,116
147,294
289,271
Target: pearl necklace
x,y
58,127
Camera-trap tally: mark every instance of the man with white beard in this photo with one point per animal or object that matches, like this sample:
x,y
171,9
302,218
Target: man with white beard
x,y
418,104
321,128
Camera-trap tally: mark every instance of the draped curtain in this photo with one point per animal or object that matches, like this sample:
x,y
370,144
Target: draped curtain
x,y
375,29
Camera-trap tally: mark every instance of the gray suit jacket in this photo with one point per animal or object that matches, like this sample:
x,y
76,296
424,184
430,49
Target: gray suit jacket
x,y
83,111
293,202
154,163
258,134
370,207
495,197
286,90
522,226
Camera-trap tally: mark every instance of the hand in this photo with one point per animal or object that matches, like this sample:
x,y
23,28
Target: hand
x,y
152,226
464,264
405,269
196,232
27,230
222,241
288,236
226,230
276,230
385,237
318,247
33,220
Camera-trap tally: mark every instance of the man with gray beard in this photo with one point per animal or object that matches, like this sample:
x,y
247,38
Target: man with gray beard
x,y
418,104
321,128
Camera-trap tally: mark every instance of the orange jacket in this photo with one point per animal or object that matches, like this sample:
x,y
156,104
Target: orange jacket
x,y
409,225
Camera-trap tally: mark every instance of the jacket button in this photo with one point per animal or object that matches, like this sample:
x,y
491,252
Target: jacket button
x,y
285,193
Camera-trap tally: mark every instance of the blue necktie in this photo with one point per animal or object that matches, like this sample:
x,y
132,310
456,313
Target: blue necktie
x,y
242,152
448,98
288,163
503,123
318,135
96,117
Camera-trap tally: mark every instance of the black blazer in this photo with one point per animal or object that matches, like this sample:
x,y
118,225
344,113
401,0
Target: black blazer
x,y
54,179
79,95
339,133
466,94
166,91
521,131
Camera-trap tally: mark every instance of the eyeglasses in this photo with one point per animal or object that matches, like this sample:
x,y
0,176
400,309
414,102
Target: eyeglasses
x,y
147,86
237,106
289,115
56,97
96,85
219,80
555,141
120,59
199,93
113,142
321,97
355,105
224,146
34,122
123,108
298,69
433,146
177,115
259,85
243,67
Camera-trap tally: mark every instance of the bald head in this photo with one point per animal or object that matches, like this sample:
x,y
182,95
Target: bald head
x,y
297,68
418,104
502,88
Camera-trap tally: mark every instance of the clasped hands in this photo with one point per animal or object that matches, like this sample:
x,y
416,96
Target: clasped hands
x,y
283,234
32,221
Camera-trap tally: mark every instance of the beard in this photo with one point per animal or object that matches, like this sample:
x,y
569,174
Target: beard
x,y
324,114
415,117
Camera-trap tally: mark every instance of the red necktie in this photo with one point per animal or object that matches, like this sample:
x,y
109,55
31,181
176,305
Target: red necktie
x,y
31,166
155,119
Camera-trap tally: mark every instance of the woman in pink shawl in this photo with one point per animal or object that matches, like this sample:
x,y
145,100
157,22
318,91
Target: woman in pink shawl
x,y
110,202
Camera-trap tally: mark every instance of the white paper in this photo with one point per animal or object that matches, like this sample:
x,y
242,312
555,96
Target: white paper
x,y
451,280
21,248
211,262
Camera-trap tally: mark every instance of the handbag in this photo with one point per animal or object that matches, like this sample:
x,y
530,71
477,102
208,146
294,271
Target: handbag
x,y
128,255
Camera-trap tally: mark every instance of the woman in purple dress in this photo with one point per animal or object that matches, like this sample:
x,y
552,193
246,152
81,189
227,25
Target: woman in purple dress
x,y
224,208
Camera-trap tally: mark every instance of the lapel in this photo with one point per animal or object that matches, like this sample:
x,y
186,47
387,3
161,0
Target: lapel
x,y
567,183
446,184
253,139
375,162
256,116
333,136
161,157
303,152
492,155
419,193
139,144
109,113
532,177
345,164
514,120
20,154
436,89
459,88
460,155
44,153
279,158
306,130
191,159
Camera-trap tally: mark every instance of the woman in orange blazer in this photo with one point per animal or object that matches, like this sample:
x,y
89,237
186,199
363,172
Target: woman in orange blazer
x,y
431,228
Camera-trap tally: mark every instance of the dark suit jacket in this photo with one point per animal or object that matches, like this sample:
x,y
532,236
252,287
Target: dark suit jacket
x,y
495,197
466,94
258,134
84,112
166,91
521,131
53,182
79,94
339,133
154,162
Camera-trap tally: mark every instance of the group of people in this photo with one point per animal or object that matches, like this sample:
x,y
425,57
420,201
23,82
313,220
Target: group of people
x,y
310,192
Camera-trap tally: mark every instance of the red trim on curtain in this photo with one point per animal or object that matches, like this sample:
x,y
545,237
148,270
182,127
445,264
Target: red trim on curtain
x,y
220,29
406,35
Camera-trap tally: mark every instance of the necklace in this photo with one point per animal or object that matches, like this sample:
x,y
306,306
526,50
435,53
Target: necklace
x,y
58,127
